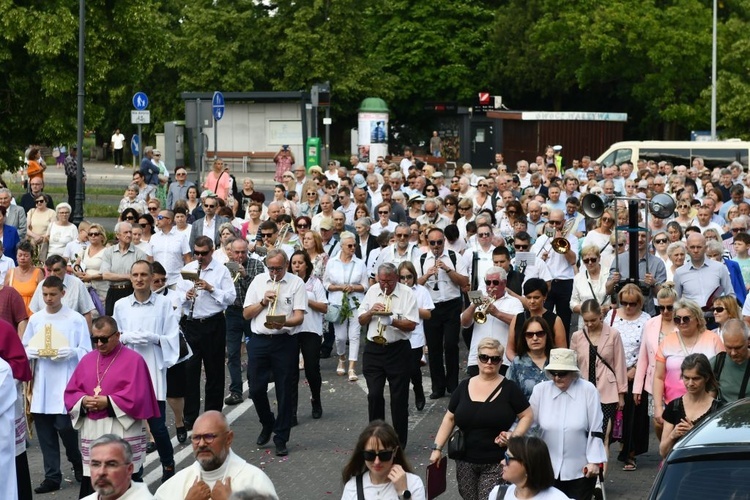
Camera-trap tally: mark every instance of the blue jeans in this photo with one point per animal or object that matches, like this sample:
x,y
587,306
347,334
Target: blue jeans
x,y
158,428
237,330
277,354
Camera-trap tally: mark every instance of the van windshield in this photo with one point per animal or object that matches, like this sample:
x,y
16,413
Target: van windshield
x,y
617,157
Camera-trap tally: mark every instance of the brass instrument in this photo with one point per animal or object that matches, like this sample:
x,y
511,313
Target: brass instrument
x,y
190,276
271,317
234,270
283,233
380,338
561,245
482,303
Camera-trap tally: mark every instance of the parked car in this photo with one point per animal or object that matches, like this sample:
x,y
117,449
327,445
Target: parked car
x,y
710,462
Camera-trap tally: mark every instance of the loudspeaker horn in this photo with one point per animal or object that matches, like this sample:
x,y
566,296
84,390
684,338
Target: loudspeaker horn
x,y
662,206
592,206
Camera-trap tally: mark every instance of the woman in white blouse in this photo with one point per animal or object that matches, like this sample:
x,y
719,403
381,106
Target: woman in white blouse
x,y
568,411
600,237
345,273
590,282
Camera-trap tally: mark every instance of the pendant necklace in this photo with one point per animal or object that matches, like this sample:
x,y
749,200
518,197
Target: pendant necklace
x,y
99,378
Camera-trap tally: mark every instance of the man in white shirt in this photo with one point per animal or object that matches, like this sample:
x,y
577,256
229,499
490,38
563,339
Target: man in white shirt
x,y
326,211
170,247
51,376
206,298
703,220
500,309
76,294
116,263
299,178
480,249
346,207
400,251
218,471
150,326
179,188
118,147
444,275
390,313
432,216
276,303
209,224
384,222
373,190
407,161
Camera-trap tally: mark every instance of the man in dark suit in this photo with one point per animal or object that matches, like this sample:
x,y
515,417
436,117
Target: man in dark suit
x,y
209,224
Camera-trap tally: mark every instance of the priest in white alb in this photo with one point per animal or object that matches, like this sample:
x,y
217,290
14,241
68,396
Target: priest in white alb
x,y
111,392
8,487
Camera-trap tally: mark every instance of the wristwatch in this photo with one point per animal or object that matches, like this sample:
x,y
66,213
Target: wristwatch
x,y
406,495
436,447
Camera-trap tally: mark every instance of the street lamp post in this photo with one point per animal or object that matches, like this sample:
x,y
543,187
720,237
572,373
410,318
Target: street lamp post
x,y
713,76
78,210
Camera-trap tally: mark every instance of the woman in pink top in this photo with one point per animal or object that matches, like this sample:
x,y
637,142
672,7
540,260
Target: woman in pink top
x,y
654,332
218,180
691,338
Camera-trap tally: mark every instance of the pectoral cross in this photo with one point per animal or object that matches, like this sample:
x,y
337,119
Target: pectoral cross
x,y
97,390
47,351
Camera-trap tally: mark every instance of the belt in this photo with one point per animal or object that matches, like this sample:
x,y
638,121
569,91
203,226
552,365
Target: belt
x,y
556,280
449,300
387,344
121,286
204,320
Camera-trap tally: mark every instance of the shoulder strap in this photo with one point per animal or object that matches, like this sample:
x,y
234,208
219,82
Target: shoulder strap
x,y
719,364
492,394
452,256
422,259
745,378
360,487
597,353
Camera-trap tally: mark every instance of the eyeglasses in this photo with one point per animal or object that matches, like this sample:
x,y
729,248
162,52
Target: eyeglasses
x,y
628,304
666,308
482,185
521,247
207,205
405,277
101,340
91,235
492,282
430,212
266,235
508,458
276,269
660,241
556,222
718,309
678,320
180,174
486,358
591,260
539,334
383,455
207,438
484,235
436,243
429,189
559,374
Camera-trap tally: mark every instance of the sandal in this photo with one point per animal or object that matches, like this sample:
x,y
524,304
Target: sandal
x,y
630,465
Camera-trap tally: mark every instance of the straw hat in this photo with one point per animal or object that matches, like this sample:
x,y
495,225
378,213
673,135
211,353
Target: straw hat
x,y
562,360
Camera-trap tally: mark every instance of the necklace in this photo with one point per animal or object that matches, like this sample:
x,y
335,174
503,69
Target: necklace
x,y
684,347
99,378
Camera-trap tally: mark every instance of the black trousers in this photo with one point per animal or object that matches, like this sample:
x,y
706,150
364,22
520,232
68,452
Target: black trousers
x,y
118,156
578,489
388,362
207,338
23,477
72,185
113,295
558,299
442,331
415,370
309,346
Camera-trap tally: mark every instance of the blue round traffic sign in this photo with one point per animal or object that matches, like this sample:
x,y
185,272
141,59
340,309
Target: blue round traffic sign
x,y
217,105
140,101
135,144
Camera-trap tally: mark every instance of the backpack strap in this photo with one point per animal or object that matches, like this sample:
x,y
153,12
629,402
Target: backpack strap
x,y
743,387
360,487
719,364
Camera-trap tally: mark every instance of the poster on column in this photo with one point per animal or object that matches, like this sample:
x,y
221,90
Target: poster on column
x,y
373,136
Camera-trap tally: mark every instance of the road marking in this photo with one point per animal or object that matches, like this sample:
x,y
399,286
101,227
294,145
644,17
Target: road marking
x,y
415,417
155,475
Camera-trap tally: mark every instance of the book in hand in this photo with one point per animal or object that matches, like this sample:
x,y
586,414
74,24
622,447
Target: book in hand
x,y
436,476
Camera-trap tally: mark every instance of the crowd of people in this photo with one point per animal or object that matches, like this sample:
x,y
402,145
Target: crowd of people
x,y
393,265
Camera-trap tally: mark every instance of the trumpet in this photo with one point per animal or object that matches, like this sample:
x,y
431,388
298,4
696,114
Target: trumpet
x,y
380,338
271,317
482,304
234,270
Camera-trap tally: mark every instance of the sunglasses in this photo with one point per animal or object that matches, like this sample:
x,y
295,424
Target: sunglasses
x,y
449,203
406,277
660,241
484,235
310,194
101,340
202,253
486,358
545,214
718,309
39,202
130,217
205,205
492,282
737,230
154,209
381,212
679,320
402,236
556,222
590,261
521,247
508,458
666,308
384,455
302,226
91,235
455,190
266,235
559,374
628,304
683,206
435,243
539,334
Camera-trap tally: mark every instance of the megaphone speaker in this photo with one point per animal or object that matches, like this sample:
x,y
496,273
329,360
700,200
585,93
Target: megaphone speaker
x,y
592,206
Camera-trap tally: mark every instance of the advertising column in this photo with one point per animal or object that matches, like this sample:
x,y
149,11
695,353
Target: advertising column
x,y
372,134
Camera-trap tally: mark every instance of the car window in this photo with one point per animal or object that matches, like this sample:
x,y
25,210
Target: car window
x,y
704,479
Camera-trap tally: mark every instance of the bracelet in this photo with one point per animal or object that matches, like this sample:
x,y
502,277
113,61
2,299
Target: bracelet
x,y
436,447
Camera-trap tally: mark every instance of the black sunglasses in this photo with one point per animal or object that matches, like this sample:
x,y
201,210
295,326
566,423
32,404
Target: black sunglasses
x,y
101,340
718,309
682,319
486,358
492,282
383,455
406,277
538,333
202,253
666,308
559,374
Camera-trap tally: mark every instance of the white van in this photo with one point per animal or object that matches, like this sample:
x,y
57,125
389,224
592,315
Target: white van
x,y
714,153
